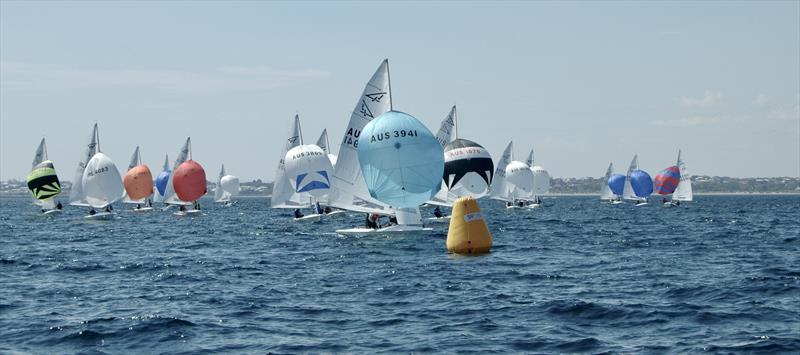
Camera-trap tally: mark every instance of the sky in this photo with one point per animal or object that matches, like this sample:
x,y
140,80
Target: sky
x,y
582,83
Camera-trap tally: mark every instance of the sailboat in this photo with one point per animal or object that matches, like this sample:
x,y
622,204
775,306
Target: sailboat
x,y
612,186
638,184
541,182
373,174
187,182
227,187
675,181
161,181
513,180
97,182
43,181
138,182
349,188
468,167
323,143
291,189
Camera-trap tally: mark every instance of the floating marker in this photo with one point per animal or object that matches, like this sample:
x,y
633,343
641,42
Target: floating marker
x,y
468,233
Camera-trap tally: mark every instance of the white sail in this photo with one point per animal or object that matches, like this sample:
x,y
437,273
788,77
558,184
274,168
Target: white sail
x,y
157,196
684,190
541,180
325,144
350,190
41,154
76,195
498,188
102,183
627,192
448,128
282,193
218,192
170,196
605,190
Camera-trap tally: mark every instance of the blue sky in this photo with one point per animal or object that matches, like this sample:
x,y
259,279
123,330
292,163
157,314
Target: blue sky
x,y
584,83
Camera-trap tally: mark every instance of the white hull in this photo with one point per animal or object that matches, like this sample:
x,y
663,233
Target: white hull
x,y
442,219
534,205
100,216
309,218
187,213
512,207
142,210
388,231
641,204
339,213
52,212
616,202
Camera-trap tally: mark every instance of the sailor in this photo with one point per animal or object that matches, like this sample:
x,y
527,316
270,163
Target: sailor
x,y
149,203
372,221
182,208
108,208
328,209
437,212
92,212
508,204
138,206
392,220
520,203
319,208
59,206
297,213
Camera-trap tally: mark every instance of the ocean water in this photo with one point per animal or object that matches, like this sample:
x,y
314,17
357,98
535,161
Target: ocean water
x,y
719,275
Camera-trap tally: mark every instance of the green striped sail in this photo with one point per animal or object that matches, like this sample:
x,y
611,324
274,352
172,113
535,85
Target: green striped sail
x,y
43,181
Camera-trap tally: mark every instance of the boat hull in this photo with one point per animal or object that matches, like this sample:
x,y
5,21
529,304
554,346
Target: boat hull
x,y
100,216
386,231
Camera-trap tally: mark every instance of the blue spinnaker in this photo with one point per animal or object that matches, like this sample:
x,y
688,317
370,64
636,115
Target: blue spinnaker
x,y
641,183
401,161
161,182
616,183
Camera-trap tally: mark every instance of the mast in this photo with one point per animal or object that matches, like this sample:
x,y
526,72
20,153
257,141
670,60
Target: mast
x,y
299,127
97,137
455,120
190,148
389,79
44,145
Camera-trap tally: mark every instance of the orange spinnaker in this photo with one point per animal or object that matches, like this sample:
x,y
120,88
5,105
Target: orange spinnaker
x,y
189,181
138,182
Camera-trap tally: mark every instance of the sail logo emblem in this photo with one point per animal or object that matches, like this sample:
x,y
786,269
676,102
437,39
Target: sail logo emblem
x,y
376,97
320,181
365,110
292,139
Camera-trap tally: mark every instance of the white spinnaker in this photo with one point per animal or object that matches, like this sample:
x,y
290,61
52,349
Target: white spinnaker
x,y
519,181
684,190
76,195
605,190
102,183
541,180
448,128
157,196
498,188
282,193
230,187
170,196
627,192
350,190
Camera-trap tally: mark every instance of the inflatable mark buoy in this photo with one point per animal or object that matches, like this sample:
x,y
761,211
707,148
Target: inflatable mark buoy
x,y
468,233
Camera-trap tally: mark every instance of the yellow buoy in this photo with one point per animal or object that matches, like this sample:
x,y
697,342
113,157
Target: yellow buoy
x,y
468,233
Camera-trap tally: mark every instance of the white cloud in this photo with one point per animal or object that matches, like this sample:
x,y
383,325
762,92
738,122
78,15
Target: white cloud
x,y
34,77
710,98
689,121
761,100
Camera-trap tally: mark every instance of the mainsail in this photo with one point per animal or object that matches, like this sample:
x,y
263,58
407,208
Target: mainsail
x,y
76,194
323,143
605,189
227,186
498,187
282,193
684,190
350,190
627,192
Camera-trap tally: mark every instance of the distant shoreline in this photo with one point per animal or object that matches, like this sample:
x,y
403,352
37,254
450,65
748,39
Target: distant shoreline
x,y
18,195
